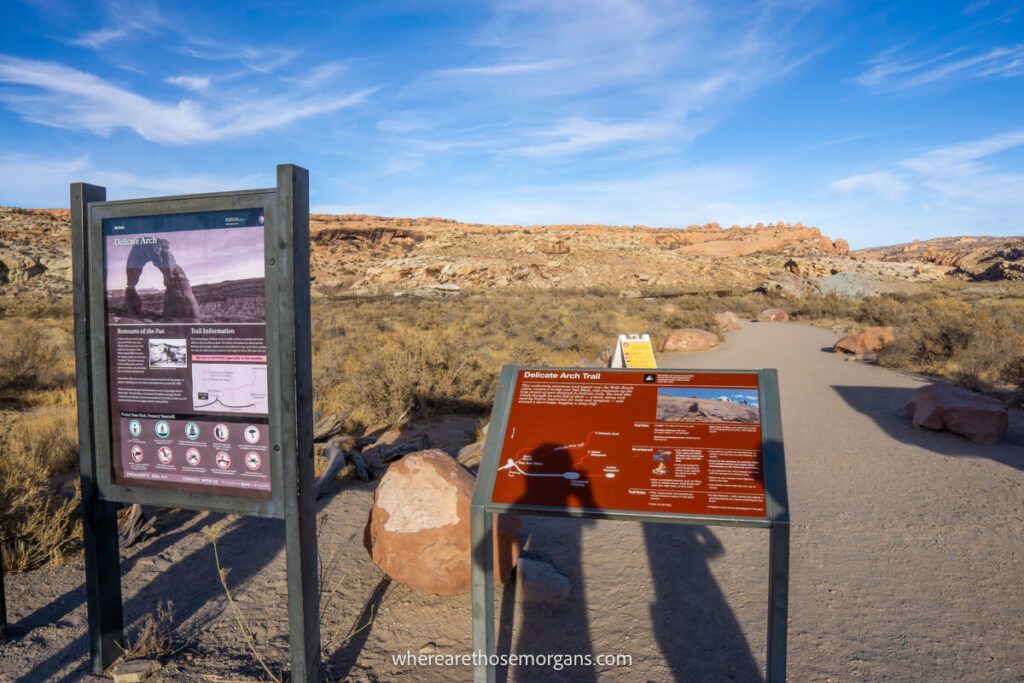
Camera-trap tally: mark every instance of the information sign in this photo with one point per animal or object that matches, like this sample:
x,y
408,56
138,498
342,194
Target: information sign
x,y
666,441
194,378
187,351
633,351
652,446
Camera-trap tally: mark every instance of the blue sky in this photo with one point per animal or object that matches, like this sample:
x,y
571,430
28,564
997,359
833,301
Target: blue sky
x,y
736,395
878,122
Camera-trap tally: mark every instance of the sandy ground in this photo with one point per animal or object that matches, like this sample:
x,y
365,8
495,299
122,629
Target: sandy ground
x,y
907,564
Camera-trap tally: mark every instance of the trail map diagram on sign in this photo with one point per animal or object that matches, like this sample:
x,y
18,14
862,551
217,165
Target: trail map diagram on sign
x,y
533,460
229,388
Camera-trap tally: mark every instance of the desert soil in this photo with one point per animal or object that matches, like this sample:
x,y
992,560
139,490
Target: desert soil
x,y
906,564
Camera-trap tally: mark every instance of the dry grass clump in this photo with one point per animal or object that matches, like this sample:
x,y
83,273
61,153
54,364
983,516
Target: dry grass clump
x,y
980,346
38,506
38,443
37,362
388,359
977,341
154,639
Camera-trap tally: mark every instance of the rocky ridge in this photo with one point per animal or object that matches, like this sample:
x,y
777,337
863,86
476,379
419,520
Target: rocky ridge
x,y
969,258
354,255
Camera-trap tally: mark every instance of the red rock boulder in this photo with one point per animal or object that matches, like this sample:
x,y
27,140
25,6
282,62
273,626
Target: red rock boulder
x,y
727,321
870,340
689,339
773,315
418,531
980,418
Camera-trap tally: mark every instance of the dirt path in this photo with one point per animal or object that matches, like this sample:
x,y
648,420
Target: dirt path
x,y
908,551
906,564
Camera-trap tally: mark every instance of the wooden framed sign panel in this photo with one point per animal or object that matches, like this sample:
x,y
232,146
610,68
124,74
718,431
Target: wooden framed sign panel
x,y
194,377
185,345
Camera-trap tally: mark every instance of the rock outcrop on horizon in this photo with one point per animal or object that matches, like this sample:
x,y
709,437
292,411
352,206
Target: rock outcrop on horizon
x,y
357,255
969,258
686,409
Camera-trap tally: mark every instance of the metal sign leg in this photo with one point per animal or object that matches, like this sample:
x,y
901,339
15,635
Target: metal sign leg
x,y
482,538
102,579
297,432
778,600
99,518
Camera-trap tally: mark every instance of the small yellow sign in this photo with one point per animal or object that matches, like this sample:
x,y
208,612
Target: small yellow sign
x,y
634,351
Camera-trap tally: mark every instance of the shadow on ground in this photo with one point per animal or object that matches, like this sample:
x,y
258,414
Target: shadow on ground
x,y
191,582
696,632
885,405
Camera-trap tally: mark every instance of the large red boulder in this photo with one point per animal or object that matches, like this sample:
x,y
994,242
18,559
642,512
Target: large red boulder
x,y
418,531
870,340
980,418
689,339
773,315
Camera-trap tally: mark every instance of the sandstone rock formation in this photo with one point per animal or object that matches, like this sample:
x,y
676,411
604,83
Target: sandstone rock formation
x,y
773,315
980,418
372,255
418,530
689,339
684,409
179,302
968,258
869,341
727,321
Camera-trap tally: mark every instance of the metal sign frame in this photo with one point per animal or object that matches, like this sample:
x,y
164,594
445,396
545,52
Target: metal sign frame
x,y
289,379
776,518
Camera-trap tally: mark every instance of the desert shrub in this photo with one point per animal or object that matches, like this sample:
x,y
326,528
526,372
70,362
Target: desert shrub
x,y
973,344
37,356
1013,374
154,638
38,515
387,359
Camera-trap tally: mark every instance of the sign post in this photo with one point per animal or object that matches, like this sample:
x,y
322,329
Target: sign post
x,y
192,334
3,603
659,446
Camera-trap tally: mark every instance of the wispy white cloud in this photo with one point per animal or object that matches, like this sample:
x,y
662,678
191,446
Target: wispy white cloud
x,y
677,198
500,69
64,97
889,71
403,122
264,60
193,83
959,175
577,134
960,159
31,180
127,20
588,63
885,184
